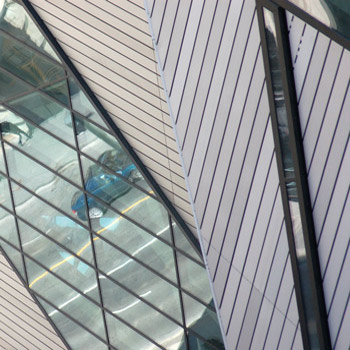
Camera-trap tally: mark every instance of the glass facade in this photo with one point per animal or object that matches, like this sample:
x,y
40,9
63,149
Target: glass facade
x,y
78,220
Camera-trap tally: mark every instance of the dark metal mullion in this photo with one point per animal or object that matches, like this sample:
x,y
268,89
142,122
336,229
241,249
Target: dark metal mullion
x,y
83,295
43,311
57,63
116,132
87,216
103,274
179,284
285,203
13,204
305,207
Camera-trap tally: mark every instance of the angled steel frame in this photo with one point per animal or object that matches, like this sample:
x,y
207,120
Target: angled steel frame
x,y
310,275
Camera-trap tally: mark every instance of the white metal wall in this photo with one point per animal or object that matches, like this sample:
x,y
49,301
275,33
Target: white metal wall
x,y
22,324
110,44
322,75
211,60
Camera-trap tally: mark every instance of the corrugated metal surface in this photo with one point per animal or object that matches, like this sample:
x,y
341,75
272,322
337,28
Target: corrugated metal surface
x,y
215,80
110,45
22,324
322,75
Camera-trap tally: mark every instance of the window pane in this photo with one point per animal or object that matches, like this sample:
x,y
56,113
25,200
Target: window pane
x,y
9,230
5,198
59,260
10,87
48,220
43,147
82,105
26,63
202,320
15,256
138,314
77,337
65,298
59,91
194,278
42,111
140,280
40,180
16,21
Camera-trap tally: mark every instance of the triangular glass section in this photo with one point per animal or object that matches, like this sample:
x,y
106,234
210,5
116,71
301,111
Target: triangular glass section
x,y
102,253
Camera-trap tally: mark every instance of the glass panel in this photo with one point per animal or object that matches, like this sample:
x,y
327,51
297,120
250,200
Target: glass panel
x,y
8,228
10,87
48,114
5,198
59,260
82,105
182,243
41,181
280,106
27,64
332,13
59,91
140,280
302,263
2,162
43,147
138,314
16,21
198,344
202,320
77,337
53,223
15,256
105,149
137,242
194,278
65,298
123,337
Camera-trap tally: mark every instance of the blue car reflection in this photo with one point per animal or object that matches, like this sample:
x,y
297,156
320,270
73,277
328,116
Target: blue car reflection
x,y
105,185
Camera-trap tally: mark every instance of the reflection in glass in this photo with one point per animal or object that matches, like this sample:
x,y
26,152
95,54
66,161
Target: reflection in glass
x,y
302,263
41,181
82,105
196,343
137,278
42,111
26,63
59,91
194,278
15,256
77,337
138,314
59,260
56,225
182,243
43,147
5,198
8,228
15,20
202,320
276,76
123,337
65,298
11,86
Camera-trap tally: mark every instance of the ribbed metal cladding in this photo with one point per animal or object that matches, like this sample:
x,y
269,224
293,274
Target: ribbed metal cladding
x,y
110,45
211,61
23,325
